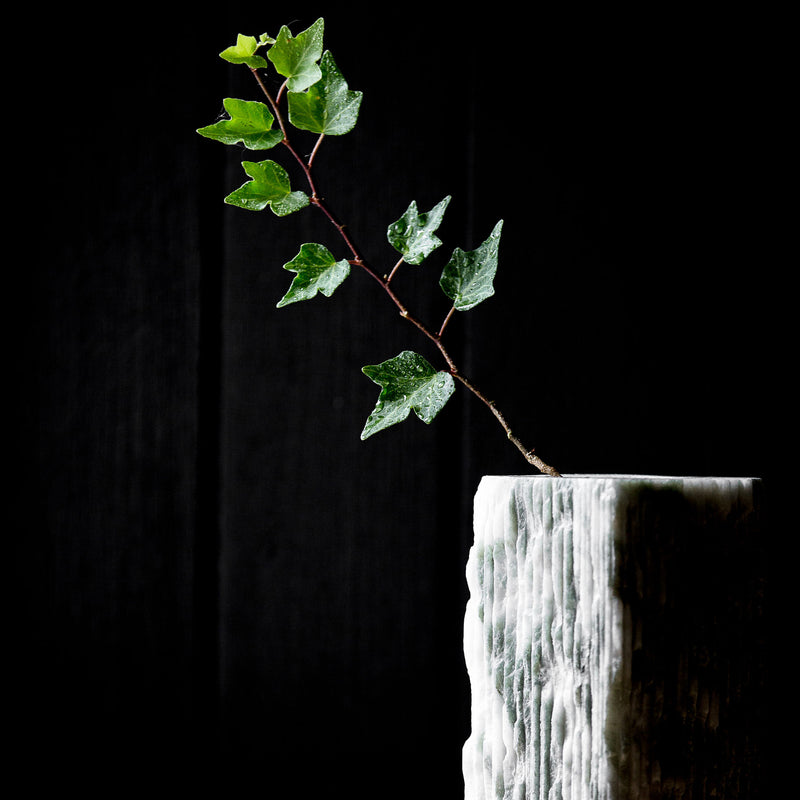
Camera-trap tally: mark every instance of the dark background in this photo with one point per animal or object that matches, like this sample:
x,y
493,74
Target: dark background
x,y
212,573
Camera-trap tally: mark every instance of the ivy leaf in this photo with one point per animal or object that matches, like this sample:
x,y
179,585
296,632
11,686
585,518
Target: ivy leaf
x,y
317,271
244,51
413,234
269,187
468,277
327,107
250,123
295,57
408,383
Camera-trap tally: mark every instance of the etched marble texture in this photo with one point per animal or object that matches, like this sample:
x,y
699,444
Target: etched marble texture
x,y
612,639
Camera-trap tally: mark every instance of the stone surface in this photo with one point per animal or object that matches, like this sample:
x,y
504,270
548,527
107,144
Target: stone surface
x,y
612,639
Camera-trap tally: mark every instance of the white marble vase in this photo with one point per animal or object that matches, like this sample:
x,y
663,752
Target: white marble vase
x,y
613,639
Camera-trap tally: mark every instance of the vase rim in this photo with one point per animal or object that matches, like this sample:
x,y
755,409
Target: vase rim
x,y
631,476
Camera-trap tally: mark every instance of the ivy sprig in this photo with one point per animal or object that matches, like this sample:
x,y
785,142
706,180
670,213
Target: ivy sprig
x,y
314,97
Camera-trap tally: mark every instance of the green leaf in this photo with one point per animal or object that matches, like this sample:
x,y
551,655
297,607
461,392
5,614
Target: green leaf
x,y
269,187
250,123
328,106
408,383
317,271
468,277
244,51
295,57
413,234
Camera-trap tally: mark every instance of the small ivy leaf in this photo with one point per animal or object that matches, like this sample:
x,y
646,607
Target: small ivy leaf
x,y
328,107
468,277
269,187
250,123
408,383
244,51
413,234
295,57
317,271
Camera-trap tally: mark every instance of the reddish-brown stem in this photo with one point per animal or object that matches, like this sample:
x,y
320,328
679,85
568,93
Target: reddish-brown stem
x,y
446,320
306,167
529,455
394,269
314,151
384,282
273,102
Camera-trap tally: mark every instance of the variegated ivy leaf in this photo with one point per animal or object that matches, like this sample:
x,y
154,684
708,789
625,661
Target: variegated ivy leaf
x,y
468,277
317,271
408,383
250,123
329,106
296,57
244,51
269,187
413,234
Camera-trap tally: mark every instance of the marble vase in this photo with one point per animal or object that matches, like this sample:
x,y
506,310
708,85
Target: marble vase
x,y
613,638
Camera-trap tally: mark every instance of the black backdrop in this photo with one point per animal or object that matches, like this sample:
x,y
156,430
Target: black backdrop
x,y
212,571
